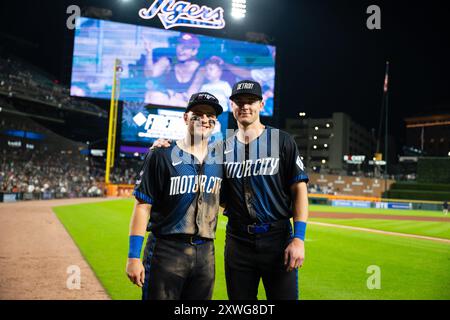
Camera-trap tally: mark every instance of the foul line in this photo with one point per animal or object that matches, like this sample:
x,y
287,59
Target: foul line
x,y
381,232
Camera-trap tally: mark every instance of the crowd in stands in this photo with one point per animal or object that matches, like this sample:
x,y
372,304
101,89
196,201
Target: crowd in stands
x,y
65,172
125,171
20,78
40,171
322,189
53,164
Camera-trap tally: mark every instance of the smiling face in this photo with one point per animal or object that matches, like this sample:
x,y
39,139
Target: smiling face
x,y
201,120
185,52
246,108
213,72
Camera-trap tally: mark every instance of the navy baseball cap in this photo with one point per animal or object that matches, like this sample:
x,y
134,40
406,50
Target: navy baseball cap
x,y
189,40
248,87
204,98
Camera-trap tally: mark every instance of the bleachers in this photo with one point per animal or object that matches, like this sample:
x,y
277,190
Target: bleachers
x,y
347,185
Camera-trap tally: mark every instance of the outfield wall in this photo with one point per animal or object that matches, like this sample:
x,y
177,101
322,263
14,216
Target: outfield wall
x,y
373,202
125,190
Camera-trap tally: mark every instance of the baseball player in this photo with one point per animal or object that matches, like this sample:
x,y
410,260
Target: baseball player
x,y
177,200
265,185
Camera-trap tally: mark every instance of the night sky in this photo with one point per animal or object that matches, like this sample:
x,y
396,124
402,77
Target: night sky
x,y
327,59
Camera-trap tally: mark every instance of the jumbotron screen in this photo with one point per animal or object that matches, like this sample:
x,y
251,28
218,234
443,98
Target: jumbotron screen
x,y
142,124
164,67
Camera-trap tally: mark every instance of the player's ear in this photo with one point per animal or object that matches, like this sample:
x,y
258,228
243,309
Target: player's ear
x,y
186,118
261,105
232,104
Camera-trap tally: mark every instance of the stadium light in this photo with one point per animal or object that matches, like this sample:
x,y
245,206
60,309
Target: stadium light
x,y
302,114
325,145
449,153
315,137
316,128
238,8
324,161
315,147
328,125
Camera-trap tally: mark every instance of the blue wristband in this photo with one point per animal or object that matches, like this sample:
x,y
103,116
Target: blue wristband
x,y
135,246
299,230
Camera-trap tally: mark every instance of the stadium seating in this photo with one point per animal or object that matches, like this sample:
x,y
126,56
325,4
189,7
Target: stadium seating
x,y
20,79
346,185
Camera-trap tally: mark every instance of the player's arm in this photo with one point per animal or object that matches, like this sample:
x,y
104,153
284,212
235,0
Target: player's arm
x,y
240,72
197,82
138,225
295,252
148,187
154,69
297,178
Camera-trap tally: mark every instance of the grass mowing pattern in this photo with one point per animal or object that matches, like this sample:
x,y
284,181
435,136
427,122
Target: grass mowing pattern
x,y
335,266
397,212
422,228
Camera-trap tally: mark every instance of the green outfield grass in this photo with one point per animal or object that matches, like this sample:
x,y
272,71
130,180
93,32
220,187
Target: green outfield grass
x,y
397,212
335,266
423,228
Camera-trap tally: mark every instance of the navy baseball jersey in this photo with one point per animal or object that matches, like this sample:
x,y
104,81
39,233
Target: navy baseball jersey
x,y
184,193
259,176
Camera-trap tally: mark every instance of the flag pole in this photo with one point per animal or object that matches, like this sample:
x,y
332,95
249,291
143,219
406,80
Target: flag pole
x,y
112,129
386,96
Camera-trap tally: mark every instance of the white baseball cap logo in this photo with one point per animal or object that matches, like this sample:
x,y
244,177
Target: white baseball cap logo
x,y
245,86
205,96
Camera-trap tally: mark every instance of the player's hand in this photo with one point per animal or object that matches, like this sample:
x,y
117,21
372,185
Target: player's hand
x,y
148,46
294,255
161,143
136,271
